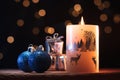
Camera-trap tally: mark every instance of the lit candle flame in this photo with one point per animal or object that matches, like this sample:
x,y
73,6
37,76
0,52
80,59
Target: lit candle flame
x,y
82,21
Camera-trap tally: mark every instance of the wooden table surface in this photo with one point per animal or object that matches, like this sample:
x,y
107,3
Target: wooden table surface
x,y
15,74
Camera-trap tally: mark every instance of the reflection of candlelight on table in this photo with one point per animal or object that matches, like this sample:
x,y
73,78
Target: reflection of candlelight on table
x,y
82,48
103,74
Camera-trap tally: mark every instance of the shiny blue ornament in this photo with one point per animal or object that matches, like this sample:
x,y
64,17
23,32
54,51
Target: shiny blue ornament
x,y
22,60
39,60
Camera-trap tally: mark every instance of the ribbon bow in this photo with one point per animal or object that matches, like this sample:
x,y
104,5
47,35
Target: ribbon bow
x,y
55,38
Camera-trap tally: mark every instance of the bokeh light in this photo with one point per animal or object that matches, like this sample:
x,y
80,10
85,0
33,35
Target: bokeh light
x,y
46,29
42,12
108,29
97,2
106,4
26,3
116,18
1,56
35,30
49,30
101,7
20,22
68,22
103,17
35,1
77,7
75,13
10,39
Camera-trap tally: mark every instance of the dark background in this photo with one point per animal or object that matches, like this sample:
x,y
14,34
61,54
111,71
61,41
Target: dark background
x,y
57,12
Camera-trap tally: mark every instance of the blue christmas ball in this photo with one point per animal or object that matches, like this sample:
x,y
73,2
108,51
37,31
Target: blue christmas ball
x,y
22,61
39,61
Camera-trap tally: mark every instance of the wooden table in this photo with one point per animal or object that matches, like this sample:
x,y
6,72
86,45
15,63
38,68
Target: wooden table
x,y
15,74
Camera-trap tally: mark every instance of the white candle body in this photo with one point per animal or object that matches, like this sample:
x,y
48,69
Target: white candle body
x,y
82,48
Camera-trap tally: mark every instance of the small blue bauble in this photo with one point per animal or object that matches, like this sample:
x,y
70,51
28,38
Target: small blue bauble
x,y
22,61
39,61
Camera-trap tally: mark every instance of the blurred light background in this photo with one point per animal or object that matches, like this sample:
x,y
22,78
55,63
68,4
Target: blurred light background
x,y
24,22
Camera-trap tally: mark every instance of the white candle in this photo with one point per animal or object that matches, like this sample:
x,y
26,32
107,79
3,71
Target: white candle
x,y
82,48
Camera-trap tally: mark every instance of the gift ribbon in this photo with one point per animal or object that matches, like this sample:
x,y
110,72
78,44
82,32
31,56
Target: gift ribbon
x,y
54,38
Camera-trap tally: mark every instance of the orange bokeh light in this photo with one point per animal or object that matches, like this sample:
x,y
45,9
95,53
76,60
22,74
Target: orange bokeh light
x,y
42,12
10,39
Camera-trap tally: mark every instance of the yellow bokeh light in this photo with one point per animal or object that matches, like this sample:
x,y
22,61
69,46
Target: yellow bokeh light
x,y
26,3
116,18
42,12
106,4
35,1
49,30
77,7
46,29
75,13
20,22
97,2
108,29
10,39
68,22
1,56
103,17
101,7
35,30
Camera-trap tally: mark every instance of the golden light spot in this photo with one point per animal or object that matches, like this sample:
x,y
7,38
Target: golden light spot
x,y
116,18
26,3
1,56
10,39
49,30
75,13
42,12
97,2
103,17
68,22
35,1
17,1
77,7
108,29
101,7
20,22
46,29
106,4
35,30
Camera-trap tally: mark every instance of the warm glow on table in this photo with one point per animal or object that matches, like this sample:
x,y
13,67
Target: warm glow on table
x,y
103,74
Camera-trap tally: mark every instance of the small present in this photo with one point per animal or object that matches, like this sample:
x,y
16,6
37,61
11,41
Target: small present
x,y
54,46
